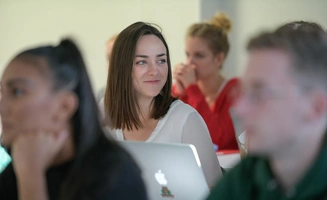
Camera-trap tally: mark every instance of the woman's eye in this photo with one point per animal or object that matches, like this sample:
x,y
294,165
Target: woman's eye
x,y
17,92
142,62
162,61
199,55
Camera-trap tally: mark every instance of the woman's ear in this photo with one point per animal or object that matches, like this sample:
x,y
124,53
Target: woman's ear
x,y
67,106
219,59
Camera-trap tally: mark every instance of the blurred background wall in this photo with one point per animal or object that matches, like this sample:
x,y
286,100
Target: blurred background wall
x,y
249,17
32,22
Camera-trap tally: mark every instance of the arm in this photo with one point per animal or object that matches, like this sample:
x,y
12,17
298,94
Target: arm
x,y
32,154
176,94
195,132
220,125
32,185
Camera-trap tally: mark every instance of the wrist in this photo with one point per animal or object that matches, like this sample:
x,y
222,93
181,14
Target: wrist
x,y
32,185
25,177
25,171
189,85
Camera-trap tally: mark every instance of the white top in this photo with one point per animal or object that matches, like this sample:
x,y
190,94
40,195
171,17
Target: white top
x,y
183,124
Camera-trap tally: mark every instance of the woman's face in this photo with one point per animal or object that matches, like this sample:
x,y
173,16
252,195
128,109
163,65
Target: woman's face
x,y
150,67
201,56
28,102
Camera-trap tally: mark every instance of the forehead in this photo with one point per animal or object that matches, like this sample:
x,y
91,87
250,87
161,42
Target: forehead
x,y
150,44
268,66
196,43
25,68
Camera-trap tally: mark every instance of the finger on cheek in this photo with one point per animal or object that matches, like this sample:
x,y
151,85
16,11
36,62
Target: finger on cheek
x,y
192,66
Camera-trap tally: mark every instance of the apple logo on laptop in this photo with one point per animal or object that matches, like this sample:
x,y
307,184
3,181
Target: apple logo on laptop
x,y
160,177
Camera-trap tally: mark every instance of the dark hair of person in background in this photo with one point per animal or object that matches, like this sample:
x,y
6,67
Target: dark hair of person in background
x,y
99,168
300,26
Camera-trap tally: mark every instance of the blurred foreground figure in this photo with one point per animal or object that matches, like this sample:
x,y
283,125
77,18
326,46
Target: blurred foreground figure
x,y
283,106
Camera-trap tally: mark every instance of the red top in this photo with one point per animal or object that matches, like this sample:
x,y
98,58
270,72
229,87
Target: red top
x,y
217,118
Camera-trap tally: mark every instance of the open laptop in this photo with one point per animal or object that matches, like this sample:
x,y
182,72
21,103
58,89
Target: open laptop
x,y
170,171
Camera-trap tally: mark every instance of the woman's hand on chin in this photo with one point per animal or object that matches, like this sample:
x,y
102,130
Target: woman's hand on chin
x,y
35,151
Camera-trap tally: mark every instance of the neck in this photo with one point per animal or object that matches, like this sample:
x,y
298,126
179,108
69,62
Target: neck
x,y
146,107
210,85
291,164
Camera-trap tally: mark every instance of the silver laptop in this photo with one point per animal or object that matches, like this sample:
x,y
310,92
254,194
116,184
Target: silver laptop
x,y
170,171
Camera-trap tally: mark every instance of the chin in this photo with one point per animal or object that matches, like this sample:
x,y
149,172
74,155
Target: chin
x,y
153,95
255,148
257,151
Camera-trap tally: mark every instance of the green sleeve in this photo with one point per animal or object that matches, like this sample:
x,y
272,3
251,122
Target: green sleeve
x,y
236,183
220,191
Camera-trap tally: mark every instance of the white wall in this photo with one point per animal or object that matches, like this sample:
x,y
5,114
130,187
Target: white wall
x,y
252,16
28,23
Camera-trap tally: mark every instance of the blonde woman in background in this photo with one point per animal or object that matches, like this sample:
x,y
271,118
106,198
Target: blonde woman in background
x,y
200,83
109,45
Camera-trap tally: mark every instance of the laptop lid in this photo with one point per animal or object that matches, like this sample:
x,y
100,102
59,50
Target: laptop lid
x,y
170,171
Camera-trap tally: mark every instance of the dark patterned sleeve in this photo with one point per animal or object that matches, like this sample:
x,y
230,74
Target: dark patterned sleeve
x,y
115,176
8,187
127,183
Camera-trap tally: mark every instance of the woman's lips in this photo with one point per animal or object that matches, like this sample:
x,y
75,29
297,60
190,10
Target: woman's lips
x,y
152,81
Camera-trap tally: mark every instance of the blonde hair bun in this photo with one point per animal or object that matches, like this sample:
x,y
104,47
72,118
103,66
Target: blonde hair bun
x,y
222,21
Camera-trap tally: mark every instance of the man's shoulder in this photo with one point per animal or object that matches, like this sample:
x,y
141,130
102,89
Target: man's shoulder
x,y
245,169
238,182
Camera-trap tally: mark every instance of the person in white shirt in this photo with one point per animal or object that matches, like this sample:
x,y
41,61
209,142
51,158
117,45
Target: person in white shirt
x,y
138,104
